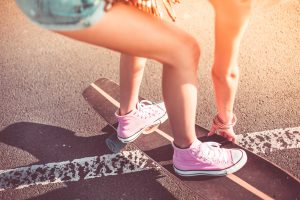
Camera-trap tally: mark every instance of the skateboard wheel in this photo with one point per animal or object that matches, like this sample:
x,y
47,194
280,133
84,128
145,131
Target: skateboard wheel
x,y
114,144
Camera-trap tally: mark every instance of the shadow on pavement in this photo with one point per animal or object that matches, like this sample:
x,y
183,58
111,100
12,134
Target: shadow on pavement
x,y
54,144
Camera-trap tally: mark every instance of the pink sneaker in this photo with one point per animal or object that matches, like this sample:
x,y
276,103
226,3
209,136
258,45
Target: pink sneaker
x,y
133,124
207,159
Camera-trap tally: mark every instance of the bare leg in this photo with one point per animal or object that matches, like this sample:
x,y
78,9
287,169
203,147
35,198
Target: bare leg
x,y
231,21
130,31
131,74
180,95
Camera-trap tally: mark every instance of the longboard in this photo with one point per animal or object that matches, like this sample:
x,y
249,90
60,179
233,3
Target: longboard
x,y
258,179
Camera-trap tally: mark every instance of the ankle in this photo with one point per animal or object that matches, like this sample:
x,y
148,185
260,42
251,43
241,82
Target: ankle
x,y
124,111
128,109
183,144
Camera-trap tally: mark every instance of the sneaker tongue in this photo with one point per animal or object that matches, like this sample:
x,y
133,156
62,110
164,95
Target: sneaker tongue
x,y
200,147
196,143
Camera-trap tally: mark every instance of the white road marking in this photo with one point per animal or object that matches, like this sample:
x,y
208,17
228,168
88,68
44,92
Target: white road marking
x,y
133,161
232,177
268,141
75,170
257,142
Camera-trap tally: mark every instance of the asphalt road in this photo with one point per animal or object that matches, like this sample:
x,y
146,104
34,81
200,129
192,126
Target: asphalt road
x,y
44,118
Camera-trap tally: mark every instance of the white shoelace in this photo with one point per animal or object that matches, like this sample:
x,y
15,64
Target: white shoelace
x,y
212,152
145,109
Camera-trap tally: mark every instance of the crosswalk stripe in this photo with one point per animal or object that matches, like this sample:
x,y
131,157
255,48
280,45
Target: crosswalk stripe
x,y
75,170
270,140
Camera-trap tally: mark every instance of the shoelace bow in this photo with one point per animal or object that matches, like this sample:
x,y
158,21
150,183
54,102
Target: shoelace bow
x,y
212,152
145,109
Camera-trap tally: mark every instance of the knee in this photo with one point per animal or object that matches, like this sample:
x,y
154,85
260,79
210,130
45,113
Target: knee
x,y
194,48
186,54
221,74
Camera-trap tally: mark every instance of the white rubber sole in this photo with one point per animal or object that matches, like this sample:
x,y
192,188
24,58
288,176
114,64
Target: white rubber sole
x,y
223,172
137,134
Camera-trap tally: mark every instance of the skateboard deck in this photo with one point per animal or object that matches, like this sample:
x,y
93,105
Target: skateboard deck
x,y
258,179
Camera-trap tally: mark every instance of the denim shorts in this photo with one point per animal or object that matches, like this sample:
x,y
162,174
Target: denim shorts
x,y
63,15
